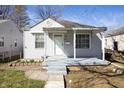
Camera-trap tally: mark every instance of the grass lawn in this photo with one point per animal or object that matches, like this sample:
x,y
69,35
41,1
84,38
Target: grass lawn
x,y
17,79
95,77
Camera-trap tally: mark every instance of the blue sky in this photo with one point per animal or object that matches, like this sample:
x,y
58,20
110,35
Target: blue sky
x,y
110,16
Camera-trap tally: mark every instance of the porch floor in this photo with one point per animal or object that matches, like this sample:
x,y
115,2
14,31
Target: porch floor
x,y
58,65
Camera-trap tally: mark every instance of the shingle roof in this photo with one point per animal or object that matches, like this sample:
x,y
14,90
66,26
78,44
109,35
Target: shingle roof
x,y
70,24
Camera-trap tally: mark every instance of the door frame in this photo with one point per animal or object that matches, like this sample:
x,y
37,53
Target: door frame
x,y
54,42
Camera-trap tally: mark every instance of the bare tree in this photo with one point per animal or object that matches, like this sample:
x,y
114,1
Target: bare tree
x,y
20,16
5,11
45,12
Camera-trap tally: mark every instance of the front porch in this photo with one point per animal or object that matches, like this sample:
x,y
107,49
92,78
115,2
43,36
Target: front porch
x,y
74,42
72,47
58,65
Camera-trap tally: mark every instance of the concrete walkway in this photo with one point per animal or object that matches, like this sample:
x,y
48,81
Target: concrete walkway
x,y
55,81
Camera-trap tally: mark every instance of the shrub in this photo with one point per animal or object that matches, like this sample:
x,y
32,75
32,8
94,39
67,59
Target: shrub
x,y
32,60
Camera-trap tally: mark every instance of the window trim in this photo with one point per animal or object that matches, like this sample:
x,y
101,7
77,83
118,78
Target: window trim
x,y
89,40
15,43
35,41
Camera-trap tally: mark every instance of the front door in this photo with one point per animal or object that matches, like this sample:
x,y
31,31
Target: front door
x,y
58,47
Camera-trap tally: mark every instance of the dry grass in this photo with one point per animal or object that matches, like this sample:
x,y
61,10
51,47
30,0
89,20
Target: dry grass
x,y
95,77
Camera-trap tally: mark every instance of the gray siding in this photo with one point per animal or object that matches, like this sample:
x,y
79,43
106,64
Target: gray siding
x,y
10,32
94,50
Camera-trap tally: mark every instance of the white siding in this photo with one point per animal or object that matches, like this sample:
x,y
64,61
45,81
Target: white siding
x,y
46,23
109,42
29,40
29,46
31,52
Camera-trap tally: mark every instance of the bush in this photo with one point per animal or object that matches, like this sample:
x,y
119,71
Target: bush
x,y
32,60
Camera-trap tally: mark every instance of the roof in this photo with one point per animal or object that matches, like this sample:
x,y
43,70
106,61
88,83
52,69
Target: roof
x,y
116,32
71,24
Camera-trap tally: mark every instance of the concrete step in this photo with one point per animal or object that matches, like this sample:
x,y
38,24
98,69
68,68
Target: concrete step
x,y
56,67
61,63
56,64
57,72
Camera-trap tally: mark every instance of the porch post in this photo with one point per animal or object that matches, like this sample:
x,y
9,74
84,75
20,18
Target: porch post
x,y
74,43
45,45
103,47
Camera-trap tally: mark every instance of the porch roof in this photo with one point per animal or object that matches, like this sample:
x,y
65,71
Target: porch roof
x,y
75,28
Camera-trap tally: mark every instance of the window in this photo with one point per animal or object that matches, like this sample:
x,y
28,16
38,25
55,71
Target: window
x,y
115,45
1,41
15,43
39,40
82,41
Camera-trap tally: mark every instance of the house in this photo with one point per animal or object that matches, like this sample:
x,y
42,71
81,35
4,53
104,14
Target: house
x,y
11,40
115,40
55,38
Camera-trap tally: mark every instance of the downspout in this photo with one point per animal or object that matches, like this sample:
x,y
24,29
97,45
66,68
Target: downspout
x,y
45,44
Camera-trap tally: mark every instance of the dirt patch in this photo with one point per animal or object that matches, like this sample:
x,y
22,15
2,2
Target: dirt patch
x,y
95,77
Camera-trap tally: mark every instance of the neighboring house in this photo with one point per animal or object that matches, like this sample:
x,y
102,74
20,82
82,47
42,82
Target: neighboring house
x,y
63,38
115,40
11,40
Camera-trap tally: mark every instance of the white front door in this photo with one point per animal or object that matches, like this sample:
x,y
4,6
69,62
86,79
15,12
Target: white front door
x,y
59,44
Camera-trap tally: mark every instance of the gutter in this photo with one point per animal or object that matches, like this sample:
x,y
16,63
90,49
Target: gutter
x,y
94,28
88,28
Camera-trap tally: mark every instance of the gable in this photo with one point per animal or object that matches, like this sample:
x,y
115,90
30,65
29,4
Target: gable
x,y
47,23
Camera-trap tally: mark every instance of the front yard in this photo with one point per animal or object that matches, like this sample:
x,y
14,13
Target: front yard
x,y
14,77
17,79
95,77
17,76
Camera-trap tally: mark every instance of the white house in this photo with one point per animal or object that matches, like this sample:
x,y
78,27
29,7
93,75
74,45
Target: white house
x,y
11,40
115,40
63,38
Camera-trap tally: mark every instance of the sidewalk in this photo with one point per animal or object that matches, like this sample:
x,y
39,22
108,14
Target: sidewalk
x,y
55,81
